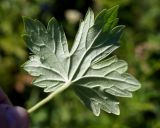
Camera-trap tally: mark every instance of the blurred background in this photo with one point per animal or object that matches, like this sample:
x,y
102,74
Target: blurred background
x,y
140,47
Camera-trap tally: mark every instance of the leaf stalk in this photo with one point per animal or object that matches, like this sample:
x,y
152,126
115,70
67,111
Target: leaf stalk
x,y
48,98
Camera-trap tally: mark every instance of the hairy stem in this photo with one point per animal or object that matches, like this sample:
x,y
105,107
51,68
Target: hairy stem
x,y
48,98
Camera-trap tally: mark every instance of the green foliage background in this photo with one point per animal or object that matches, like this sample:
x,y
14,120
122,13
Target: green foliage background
x,y
140,47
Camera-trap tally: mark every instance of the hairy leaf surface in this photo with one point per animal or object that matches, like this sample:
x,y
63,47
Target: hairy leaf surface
x,y
96,76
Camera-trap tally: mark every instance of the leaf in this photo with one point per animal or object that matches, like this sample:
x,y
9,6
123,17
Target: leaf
x,y
97,77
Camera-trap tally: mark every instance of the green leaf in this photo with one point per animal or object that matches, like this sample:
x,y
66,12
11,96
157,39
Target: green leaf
x,y
97,78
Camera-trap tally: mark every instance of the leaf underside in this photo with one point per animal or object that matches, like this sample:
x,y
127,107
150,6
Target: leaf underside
x,y
96,77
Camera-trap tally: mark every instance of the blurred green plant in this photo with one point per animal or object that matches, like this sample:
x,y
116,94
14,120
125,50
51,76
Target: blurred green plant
x,y
139,47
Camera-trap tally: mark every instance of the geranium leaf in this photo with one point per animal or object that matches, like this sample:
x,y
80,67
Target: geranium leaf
x,y
97,77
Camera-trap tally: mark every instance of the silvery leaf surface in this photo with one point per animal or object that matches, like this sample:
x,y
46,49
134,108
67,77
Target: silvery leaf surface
x,y
96,76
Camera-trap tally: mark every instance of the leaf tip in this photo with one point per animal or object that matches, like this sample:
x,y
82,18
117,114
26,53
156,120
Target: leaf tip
x,y
138,85
115,8
90,9
26,19
51,22
89,14
117,113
